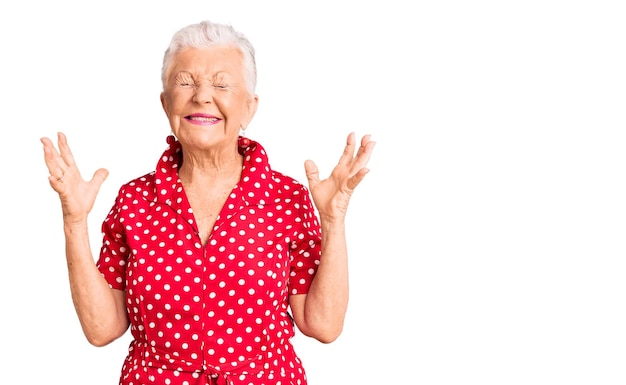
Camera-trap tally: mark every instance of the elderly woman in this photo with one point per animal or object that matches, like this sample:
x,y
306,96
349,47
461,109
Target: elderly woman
x,y
213,258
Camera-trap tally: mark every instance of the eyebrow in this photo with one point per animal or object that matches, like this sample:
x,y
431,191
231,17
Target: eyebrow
x,y
186,72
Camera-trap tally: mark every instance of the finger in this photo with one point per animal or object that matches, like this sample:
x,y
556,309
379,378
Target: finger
x,y
355,179
364,153
312,173
64,149
365,140
53,161
367,146
348,151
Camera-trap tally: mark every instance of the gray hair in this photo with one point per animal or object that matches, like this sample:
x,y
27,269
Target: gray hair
x,y
206,34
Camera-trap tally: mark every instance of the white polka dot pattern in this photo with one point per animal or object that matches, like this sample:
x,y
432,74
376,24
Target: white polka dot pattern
x,y
216,310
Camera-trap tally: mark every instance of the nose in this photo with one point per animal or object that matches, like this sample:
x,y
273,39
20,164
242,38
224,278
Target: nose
x,y
203,93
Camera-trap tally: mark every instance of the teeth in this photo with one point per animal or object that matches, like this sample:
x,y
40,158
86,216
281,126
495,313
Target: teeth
x,y
203,119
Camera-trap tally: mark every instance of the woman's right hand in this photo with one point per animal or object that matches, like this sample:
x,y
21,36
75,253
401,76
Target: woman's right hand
x,y
77,195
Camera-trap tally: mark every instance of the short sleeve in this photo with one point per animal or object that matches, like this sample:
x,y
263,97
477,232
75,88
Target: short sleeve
x,y
306,246
114,250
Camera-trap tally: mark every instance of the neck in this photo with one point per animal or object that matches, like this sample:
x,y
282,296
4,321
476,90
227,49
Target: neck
x,y
210,168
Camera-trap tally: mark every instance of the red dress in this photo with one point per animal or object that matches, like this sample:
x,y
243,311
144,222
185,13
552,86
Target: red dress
x,y
214,313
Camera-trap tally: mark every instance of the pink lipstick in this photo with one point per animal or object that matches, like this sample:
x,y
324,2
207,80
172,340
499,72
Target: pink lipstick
x,y
202,119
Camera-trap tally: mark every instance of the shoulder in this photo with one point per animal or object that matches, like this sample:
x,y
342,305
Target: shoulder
x,y
289,190
286,180
287,183
142,185
261,175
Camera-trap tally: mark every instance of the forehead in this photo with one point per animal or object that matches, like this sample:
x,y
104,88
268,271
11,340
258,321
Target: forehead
x,y
208,61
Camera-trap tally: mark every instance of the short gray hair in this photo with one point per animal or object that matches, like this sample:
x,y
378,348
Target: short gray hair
x,y
206,34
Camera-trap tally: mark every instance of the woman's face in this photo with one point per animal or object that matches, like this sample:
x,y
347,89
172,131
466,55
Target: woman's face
x,y
206,99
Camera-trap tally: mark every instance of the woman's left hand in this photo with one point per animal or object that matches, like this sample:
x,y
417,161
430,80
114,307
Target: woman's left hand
x,y
332,195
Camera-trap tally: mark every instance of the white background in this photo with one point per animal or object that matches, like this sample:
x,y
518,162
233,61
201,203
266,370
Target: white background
x,y
487,245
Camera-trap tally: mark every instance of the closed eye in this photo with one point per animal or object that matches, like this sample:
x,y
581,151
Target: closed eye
x,y
184,80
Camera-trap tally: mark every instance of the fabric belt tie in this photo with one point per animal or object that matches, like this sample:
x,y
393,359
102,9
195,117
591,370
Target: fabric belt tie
x,y
214,377
209,375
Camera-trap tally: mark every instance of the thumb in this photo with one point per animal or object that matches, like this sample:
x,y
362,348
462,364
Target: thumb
x,y
99,177
312,173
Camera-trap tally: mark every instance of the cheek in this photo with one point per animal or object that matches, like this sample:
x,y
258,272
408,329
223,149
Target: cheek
x,y
166,103
172,105
236,107
172,112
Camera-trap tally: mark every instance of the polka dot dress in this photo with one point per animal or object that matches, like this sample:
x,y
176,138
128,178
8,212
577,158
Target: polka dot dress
x,y
214,313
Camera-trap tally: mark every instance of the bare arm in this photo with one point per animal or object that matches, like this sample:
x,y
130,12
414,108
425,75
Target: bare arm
x,y
100,309
321,312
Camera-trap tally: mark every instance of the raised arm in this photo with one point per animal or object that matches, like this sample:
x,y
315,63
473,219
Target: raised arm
x,y
321,312
100,309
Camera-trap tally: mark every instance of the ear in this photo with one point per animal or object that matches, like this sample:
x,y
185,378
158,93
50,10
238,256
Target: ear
x,y
164,104
252,105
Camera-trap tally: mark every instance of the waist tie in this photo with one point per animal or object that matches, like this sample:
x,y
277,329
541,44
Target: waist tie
x,y
207,374
210,376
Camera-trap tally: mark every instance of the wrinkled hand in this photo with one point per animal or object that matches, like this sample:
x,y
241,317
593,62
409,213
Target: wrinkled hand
x,y
77,195
332,195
